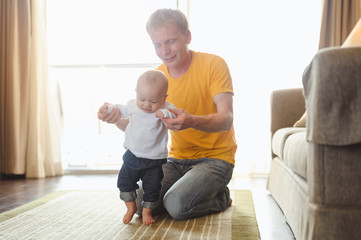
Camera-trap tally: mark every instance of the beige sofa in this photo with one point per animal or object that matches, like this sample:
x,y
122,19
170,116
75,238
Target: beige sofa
x,y
315,174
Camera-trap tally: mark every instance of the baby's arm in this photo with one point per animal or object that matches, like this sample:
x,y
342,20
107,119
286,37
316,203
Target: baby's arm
x,y
112,114
108,116
164,113
121,108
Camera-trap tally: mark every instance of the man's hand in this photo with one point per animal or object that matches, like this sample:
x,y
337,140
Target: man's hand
x,y
113,117
220,121
182,121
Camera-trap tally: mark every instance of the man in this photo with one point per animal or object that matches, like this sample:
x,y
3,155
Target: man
x,y
203,146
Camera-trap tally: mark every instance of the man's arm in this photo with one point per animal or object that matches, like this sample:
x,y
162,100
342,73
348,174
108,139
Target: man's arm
x,y
220,121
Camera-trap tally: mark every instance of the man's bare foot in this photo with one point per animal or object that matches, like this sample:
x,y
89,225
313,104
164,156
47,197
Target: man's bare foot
x,y
147,216
131,210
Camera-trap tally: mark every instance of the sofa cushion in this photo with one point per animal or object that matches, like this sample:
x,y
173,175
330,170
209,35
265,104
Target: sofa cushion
x,y
280,137
302,121
295,153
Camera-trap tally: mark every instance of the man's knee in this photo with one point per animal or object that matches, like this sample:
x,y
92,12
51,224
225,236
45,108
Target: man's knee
x,y
175,206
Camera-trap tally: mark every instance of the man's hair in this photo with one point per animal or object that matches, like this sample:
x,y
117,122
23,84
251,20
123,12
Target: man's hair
x,y
165,16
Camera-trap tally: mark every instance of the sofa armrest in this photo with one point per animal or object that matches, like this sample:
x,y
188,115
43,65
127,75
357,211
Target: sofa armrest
x,y
287,106
332,88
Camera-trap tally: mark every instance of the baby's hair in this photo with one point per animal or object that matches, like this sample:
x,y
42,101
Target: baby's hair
x,y
165,16
152,77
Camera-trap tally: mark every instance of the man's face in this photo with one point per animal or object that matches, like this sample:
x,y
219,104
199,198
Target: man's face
x,y
171,44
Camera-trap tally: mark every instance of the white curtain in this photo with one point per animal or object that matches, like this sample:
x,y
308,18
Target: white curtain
x,y
30,139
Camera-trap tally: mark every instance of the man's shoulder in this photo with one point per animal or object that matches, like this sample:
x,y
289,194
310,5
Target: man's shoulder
x,y
204,57
162,67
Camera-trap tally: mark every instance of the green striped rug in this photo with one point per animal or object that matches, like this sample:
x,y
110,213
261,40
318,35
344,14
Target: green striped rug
x,y
99,214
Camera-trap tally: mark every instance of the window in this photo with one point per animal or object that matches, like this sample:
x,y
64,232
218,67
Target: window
x,y
98,48
96,51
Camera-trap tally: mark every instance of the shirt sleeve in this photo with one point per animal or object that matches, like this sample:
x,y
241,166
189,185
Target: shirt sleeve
x,y
221,80
124,109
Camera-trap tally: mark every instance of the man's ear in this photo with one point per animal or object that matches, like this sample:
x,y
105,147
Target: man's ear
x,y
189,37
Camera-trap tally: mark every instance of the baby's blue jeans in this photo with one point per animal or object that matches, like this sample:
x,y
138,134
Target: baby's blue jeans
x,y
194,187
149,171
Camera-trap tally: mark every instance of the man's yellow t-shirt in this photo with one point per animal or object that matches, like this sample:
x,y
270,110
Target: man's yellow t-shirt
x,y
207,76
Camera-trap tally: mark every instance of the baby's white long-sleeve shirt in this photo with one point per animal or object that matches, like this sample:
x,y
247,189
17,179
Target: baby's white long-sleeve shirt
x,y
145,135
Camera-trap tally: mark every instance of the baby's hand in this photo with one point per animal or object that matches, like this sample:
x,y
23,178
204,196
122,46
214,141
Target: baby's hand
x,y
159,114
109,113
110,108
164,113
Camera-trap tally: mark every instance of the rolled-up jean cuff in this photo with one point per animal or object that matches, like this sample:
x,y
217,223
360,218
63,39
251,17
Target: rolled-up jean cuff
x,y
128,196
150,205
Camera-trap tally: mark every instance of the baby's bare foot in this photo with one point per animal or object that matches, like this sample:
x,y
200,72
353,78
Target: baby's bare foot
x,y
128,216
147,216
131,210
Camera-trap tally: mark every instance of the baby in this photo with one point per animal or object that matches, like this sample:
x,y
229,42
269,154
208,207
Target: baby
x,y
146,141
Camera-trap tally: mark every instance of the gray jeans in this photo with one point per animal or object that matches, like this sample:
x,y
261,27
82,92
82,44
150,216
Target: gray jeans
x,y
194,187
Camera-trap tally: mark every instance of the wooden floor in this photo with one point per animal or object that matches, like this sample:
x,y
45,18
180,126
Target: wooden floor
x,y
16,192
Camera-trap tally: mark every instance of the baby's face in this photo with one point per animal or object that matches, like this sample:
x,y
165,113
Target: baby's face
x,y
149,97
